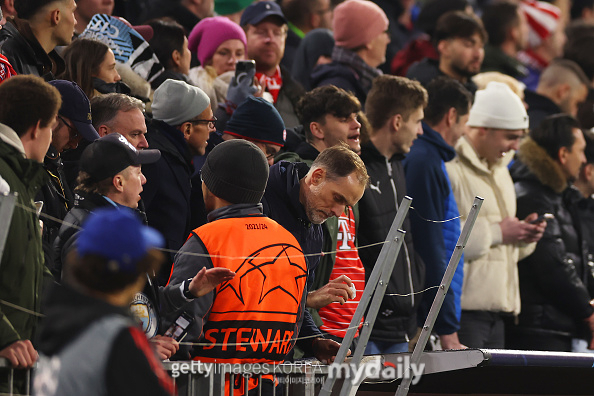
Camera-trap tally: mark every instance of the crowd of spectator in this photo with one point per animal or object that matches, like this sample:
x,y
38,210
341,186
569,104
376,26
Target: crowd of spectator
x,y
226,171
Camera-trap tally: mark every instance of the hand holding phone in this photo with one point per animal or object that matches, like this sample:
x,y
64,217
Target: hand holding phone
x,y
543,217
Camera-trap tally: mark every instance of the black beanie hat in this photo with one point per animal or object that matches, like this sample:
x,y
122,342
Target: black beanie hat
x,y
257,120
236,171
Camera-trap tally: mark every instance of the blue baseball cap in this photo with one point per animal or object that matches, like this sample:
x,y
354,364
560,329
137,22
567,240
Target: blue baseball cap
x,y
260,10
77,108
119,236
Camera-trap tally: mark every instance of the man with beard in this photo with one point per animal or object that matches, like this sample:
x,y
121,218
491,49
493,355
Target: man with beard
x,y
460,39
562,87
301,199
29,41
556,303
329,117
266,32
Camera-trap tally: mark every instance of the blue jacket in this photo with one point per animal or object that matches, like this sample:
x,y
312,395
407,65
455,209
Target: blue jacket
x,y
428,184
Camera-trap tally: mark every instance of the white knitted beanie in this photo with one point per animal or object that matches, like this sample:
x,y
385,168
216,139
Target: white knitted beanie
x,y
497,106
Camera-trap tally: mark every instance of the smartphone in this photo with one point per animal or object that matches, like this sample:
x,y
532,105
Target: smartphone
x,y
179,328
543,217
243,68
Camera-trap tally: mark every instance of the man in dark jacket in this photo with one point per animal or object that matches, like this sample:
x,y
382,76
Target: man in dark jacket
x,y
459,38
301,199
428,184
266,31
182,123
553,280
508,30
329,117
29,41
584,207
74,123
561,88
394,108
110,176
361,35
28,109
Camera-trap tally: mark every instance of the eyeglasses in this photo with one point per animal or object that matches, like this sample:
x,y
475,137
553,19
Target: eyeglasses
x,y
73,131
211,122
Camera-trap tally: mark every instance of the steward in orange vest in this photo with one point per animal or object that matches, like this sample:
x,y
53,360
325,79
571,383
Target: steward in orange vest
x,y
254,317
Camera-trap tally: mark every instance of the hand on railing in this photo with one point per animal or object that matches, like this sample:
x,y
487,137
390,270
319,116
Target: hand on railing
x,y
20,354
325,350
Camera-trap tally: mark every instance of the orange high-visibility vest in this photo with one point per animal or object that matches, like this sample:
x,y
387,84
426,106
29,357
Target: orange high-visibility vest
x,y
254,316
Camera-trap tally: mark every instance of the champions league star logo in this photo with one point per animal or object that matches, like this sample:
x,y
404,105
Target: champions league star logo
x,y
258,269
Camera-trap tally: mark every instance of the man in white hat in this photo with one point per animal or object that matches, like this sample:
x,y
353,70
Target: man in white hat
x,y
497,122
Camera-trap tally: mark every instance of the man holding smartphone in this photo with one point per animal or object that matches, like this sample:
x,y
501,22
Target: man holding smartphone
x,y
266,31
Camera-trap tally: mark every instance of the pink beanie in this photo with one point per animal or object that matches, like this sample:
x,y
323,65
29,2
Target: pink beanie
x,y
543,18
358,22
209,33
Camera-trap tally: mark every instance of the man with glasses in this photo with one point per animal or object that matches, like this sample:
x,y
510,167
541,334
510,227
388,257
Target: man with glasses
x,y
182,122
266,32
72,124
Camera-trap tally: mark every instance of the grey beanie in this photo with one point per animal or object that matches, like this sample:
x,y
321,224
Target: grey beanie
x,y
236,171
176,102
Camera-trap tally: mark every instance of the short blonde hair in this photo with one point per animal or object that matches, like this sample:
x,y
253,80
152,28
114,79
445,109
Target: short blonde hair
x,y
483,79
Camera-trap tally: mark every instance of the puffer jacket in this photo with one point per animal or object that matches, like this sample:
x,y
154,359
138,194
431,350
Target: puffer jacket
x,y
553,279
397,319
429,186
490,267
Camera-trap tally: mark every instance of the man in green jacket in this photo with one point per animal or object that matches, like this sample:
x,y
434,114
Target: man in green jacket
x,y
28,110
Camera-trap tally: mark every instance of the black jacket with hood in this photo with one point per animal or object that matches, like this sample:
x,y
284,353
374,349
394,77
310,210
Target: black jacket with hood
x,y
397,318
553,279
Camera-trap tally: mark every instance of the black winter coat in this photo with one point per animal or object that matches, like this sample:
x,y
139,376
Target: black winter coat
x,y
397,319
281,203
24,52
341,75
166,194
57,201
553,279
